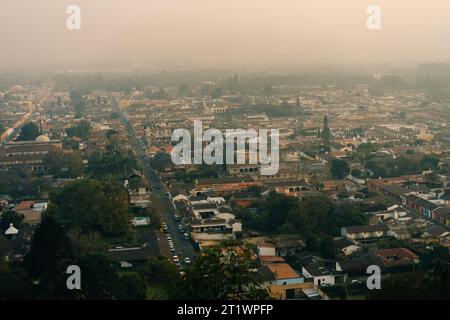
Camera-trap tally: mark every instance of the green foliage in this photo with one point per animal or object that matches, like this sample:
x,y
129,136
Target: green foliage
x,y
4,247
15,283
256,190
339,168
159,270
100,280
434,254
221,275
429,162
20,182
64,165
421,285
91,205
29,132
115,163
155,217
161,161
132,287
51,250
82,130
9,216
203,171
2,128
404,165
88,242
315,219
110,133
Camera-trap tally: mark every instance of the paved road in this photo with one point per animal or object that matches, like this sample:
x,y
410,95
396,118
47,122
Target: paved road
x,y
162,204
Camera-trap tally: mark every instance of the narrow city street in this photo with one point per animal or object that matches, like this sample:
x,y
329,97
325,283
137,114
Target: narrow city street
x,y
163,205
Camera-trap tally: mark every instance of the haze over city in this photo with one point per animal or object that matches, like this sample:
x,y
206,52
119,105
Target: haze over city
x,y
220,34
269,152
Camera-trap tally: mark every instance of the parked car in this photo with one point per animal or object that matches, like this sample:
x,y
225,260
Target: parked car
x,y
186,236
187,260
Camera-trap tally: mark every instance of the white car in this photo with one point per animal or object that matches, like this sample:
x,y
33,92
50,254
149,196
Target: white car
x,y
187,260
172,248
175,259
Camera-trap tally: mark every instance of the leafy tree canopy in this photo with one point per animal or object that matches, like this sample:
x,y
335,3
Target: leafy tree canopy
x,y
221,274
339,168
91,205
64,165
29,132
81,130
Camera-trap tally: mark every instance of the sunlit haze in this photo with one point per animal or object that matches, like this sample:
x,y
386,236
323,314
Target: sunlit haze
x,y
220,33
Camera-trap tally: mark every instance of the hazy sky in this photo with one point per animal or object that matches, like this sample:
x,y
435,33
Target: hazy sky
x,y
221,33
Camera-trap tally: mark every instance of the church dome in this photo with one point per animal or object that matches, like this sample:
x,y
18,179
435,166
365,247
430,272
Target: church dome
x,y
42,139
11,230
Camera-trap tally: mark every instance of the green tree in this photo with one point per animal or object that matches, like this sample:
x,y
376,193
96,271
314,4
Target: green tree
x,y
9,216
99,281
429,162
132,287
221,274
29,132
159,271
49,257
82,130
115,163
86,242
339,168
15,284
91,205
64,165
327,247
4,247
419,285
